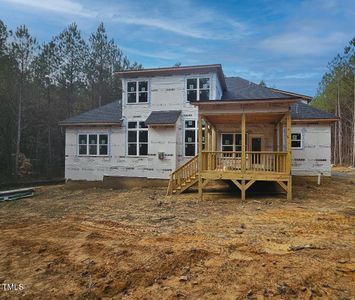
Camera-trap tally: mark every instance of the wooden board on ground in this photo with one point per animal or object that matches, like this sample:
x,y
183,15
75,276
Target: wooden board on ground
x,y
16,194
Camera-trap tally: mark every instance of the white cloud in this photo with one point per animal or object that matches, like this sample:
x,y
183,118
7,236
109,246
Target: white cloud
x,y
185,20
303,43
166,55
57,6
303,75
162,24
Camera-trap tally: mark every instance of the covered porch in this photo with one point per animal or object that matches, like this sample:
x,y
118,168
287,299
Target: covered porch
x,y
244,148
240,142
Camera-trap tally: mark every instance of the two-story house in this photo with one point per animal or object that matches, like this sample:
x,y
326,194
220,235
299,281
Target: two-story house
x,y
192,125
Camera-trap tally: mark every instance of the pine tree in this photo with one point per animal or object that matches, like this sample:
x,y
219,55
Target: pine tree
x,y
73,52
23,49
103,57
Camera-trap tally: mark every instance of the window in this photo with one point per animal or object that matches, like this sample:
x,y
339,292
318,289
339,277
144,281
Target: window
x,y
93,144
191,140
137,139
231,141
137,92
296,140
198,89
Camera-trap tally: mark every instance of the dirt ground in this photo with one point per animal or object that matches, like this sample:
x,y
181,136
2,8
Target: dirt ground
x,y
138,244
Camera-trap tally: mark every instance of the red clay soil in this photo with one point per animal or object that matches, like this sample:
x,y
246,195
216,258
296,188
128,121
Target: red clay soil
x,y
138,244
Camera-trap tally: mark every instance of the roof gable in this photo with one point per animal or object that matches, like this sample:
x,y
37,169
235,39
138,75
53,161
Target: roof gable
x,y
303,111
242,89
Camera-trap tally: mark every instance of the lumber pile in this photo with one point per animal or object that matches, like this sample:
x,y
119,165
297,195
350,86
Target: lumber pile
x,y
16,194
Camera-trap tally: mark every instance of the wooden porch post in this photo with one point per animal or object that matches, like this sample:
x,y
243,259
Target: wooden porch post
x,y
281,148
243,155
214,139
289,155
199,156
207,137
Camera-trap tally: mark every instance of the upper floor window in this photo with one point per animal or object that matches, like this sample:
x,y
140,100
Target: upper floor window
x,y
296,140
137,92
93,144
137,139
198,89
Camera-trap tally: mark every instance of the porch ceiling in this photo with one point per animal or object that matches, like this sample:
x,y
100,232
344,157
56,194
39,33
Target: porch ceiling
x,y
265,118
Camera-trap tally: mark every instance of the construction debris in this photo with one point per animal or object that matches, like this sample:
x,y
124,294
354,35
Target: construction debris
x,y
307,246
16,194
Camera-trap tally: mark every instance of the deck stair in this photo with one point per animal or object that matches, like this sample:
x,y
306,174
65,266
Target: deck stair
x,y
183,177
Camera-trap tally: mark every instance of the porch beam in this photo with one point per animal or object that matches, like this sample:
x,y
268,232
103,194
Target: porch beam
x,y
283,119
288,143
243,142
281,148
236,182
243,190
205,182
289,155
200,118
283,185
214,139
289,189
206,135
275,138
249,184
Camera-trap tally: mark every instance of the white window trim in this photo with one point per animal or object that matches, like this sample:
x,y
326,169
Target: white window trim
x,y
137,129
97,145
198,87
301,140
137,91
196,135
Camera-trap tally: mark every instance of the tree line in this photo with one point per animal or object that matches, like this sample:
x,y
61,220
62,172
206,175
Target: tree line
x,y
42,84
336,94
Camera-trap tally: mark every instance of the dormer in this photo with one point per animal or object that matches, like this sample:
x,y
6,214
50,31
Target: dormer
x,y
198,83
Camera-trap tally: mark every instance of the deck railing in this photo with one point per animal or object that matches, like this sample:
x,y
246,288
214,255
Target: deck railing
x,y
255,161
183,175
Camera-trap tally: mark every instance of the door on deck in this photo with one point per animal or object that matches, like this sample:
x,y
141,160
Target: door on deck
x,y
256,146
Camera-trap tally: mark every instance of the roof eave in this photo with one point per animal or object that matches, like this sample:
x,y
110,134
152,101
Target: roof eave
x,y
175,70
315,120
258,100
66,124
300,96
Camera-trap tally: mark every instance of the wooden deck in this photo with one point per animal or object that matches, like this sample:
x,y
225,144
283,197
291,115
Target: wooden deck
x,y
243,167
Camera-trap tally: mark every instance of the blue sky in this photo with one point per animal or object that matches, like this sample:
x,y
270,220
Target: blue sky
x,y
285,43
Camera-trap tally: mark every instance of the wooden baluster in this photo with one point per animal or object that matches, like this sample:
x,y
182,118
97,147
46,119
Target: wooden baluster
x,y
277,163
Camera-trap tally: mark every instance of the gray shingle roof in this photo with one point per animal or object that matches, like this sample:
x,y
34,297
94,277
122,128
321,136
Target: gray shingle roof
x,y
110,113
241,89
302,111
165,117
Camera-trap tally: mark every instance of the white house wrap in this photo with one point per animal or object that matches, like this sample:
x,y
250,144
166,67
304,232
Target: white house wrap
x,y
152,129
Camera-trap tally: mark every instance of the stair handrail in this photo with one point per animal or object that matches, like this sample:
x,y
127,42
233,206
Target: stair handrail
x,y
185,164
170,186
